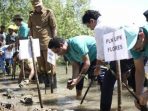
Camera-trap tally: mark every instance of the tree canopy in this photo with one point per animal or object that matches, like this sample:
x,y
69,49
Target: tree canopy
x,y
68,14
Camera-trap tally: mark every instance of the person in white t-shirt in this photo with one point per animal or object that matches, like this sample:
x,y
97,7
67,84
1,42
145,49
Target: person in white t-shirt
x,y
93,20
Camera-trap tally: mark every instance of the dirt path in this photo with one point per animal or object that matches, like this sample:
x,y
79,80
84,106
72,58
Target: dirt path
x,y
62,99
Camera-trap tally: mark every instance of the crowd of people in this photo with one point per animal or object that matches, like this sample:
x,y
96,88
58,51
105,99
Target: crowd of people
x,y
79,51
86,53
7,41
137,48
43,28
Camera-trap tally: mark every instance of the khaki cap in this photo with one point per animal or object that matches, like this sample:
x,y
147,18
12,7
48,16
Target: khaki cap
x,y
14,27
36,2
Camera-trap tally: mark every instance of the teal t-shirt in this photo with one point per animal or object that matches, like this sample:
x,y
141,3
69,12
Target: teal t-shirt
x,y
144,53
23,31
79,46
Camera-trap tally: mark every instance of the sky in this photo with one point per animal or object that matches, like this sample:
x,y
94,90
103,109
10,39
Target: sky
x,y
121,12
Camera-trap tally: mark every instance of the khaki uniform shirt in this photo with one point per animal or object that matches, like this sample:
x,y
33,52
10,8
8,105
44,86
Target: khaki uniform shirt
x,y
42,26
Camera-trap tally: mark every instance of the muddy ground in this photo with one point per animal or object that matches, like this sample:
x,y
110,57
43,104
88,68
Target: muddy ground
x,y
62,99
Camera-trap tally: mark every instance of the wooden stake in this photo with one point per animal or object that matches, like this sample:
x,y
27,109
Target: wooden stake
x,y
66,67
35,69
52,81
119,84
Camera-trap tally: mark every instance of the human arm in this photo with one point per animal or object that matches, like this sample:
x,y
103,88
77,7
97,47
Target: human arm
x,y
30,26
79,74
75,72
31,74
97,68
52,23
139,75
86,64
75,69
100,53
139,80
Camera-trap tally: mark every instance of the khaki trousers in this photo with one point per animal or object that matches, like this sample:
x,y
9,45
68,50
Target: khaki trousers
x,y
43,66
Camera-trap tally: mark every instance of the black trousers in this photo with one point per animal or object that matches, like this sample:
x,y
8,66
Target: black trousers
x,y
90,73
109,82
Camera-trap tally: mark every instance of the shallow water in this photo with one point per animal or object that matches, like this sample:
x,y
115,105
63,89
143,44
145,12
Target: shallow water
x,y
62,99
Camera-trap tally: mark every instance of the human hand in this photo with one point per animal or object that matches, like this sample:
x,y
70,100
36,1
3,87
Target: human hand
x,y
71,83
97,71
141,104
137,104
143,98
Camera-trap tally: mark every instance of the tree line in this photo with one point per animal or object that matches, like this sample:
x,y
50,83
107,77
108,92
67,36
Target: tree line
x,y
68,14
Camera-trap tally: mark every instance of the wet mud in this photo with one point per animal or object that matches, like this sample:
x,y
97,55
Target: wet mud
x,y
61,99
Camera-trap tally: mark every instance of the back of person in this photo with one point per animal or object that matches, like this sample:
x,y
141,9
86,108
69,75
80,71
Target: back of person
x,y
11,36
23,31
78,47
2,60
10,39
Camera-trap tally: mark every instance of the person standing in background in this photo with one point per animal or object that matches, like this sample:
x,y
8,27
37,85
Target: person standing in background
x,y
23,32
2,31
42,24
11,36
2,35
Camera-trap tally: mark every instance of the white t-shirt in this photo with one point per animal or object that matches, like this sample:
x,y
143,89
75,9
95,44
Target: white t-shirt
x,y
102,27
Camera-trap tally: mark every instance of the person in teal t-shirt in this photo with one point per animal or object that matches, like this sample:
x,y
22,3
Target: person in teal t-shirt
x,y
81,52
23,30
143,98
137,41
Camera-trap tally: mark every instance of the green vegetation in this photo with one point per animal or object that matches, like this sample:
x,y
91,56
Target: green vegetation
x,y
68,14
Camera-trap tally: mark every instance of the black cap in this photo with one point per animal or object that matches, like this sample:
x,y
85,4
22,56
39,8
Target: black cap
x,y
146,14
17,17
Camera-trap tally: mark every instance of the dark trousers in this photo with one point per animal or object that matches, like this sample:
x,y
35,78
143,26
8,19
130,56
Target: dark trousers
x,y
8,65
90,73
109,82
79,86
107,91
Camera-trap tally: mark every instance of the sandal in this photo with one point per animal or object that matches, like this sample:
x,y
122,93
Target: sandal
x,y
24,83
27,99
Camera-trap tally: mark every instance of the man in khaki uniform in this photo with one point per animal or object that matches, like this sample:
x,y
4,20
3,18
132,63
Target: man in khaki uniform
x,y
42,25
